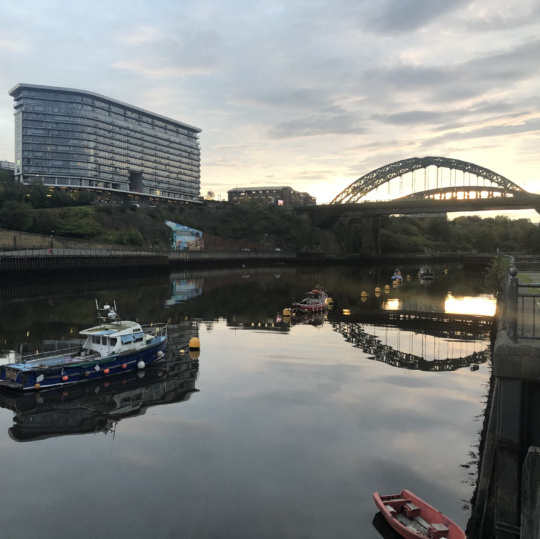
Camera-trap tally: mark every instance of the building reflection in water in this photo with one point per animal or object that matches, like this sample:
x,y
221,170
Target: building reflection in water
x,y
182,289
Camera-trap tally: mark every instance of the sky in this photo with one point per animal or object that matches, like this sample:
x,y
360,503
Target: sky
x,y
307,93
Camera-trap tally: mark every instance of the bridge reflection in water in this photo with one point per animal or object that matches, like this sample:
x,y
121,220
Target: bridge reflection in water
x,y
421,340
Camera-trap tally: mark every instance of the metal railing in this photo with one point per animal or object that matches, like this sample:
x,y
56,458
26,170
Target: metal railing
x,y
522,307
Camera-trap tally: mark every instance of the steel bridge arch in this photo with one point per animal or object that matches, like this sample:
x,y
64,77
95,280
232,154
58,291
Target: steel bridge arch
x,y
375,178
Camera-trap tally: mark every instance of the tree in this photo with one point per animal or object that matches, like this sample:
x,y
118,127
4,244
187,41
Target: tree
x,y
16,216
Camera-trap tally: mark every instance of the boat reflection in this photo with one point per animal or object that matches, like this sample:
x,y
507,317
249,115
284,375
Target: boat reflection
x,y
311,319
98,406
384,529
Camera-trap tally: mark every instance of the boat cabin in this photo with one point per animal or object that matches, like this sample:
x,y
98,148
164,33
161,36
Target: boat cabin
x,y
112,338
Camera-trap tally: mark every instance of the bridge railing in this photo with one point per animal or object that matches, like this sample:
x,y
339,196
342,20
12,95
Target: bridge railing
x,y
522,308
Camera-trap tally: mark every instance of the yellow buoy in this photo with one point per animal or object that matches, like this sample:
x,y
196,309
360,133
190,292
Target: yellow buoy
x,y
286,312
194,343
330,301
387,288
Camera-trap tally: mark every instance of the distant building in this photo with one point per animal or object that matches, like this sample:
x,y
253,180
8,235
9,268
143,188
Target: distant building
x,y
81,140
283,195
7,165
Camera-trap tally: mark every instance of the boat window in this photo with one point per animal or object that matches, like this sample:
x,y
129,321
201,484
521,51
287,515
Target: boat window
x,y
104,341
112,340
138,337
127,338
95,339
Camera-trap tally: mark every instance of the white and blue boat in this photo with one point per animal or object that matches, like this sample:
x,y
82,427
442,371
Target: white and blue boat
x,y
112,347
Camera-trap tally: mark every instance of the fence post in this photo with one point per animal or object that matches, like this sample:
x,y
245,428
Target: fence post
x,y
512,303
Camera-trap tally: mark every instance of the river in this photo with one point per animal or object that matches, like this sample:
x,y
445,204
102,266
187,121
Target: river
x,y
276,428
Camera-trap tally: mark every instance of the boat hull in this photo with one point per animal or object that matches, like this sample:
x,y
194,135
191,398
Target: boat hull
x,y
65,374
319,308
413,518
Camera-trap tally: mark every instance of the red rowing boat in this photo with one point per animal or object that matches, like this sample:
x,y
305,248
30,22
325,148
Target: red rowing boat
x,y
413,518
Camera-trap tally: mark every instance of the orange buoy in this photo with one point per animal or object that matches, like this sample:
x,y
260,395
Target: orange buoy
x,y
65,377
105,371
124,365
37,386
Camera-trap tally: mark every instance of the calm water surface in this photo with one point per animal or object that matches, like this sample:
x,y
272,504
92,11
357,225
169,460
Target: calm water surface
x,y
275,430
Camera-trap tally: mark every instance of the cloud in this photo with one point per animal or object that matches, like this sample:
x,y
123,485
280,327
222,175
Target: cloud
x,y
407,16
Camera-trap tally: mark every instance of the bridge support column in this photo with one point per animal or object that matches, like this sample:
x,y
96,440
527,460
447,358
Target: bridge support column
x,y
371,225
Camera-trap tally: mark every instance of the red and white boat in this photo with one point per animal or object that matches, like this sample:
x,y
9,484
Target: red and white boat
x,y
316,301
413,518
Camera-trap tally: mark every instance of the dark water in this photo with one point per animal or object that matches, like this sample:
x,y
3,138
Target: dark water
x,y
275,430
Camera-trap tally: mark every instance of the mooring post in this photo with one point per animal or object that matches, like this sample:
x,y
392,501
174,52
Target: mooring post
x,y
512,303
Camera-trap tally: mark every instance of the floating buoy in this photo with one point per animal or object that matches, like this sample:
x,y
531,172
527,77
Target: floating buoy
x,y
182,352
194,344
160,354
141,364
65,378
124,365
37,386
386,288
106,371
330,301
286,312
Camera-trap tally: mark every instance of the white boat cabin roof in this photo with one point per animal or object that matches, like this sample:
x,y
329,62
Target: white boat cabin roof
x,y
119,327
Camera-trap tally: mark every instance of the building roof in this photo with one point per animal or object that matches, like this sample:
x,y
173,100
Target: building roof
x,y
16,89
273,188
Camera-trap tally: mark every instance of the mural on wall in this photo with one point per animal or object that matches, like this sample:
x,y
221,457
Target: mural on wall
x,y
185,238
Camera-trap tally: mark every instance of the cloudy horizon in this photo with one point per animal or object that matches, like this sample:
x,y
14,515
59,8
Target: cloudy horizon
x,y
307,93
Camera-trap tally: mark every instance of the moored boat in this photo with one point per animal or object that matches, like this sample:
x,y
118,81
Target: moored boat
x,y
113,346
425,273
413,518
316,301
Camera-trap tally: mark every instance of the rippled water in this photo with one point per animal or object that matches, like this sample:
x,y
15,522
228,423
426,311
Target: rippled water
x,y
276,429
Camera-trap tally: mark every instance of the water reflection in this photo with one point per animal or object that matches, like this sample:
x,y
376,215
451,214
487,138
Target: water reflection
x,y
98,406
371,344
183,289
292,423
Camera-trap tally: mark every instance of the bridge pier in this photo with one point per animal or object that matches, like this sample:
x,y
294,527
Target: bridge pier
x,y
367,227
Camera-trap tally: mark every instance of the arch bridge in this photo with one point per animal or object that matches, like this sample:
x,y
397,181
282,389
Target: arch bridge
x,y
419,185
473,182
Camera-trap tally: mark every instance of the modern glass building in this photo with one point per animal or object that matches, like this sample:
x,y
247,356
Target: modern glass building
x,y
81,140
